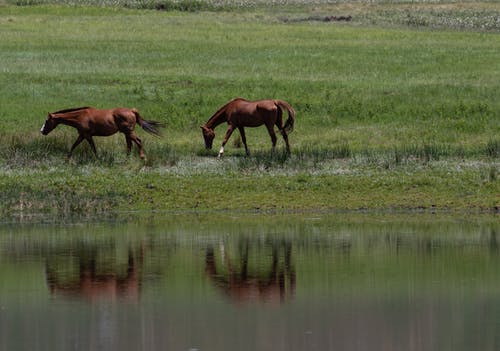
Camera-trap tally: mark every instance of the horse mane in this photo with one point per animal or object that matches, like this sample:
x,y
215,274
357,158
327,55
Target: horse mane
x,y
71,110
220,110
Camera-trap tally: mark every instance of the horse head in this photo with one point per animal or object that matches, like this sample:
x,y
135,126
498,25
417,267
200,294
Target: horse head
x,y
49,124
208,135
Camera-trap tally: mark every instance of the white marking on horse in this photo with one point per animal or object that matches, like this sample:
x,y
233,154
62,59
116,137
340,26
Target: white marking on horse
x,y
43,127
221,151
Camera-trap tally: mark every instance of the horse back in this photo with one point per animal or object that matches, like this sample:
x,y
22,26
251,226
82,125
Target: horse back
x,y
104,122
252,113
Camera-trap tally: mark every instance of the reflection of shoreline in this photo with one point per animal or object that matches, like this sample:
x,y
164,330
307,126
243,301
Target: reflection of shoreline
x,y
275,284
92,284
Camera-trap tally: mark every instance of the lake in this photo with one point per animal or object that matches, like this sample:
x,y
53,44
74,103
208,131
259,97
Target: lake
x,y
252,282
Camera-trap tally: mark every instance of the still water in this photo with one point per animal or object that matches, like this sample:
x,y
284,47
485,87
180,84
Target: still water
x,y
253,282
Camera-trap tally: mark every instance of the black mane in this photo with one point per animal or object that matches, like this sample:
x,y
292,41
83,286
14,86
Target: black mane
x,y
71,110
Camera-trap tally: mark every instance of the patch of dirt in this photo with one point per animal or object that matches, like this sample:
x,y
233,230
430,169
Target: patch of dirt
x,y
316,18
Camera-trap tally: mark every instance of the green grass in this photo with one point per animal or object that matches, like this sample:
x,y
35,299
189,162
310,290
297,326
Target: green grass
x,y
391,113
250,185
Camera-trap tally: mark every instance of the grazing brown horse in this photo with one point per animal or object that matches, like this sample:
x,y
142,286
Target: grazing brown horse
x,y
240,113
92,122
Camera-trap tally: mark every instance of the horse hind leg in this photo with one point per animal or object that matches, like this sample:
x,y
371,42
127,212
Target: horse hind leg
x,y
272,134
279,124
138,142
285,138
244,139
129,144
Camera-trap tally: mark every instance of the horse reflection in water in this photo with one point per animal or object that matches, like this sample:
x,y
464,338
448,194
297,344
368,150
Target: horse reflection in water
x,y
239,284
94,281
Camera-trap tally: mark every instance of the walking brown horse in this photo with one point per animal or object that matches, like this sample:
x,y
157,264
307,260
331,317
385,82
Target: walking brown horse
x,y
240,113
93,122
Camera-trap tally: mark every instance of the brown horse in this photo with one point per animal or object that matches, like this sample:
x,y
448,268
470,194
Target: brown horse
x,y
92,122
240,113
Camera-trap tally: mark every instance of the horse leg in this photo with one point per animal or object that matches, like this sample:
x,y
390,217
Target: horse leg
x,y
272,134
129,144
279,124
92,145
75,144
226,138
138,142
244,139
285,137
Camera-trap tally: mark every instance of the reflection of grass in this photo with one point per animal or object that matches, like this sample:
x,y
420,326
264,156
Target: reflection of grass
x,y
336,253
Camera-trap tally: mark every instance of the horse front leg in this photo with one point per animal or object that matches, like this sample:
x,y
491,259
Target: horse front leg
x,y
75,144
226,138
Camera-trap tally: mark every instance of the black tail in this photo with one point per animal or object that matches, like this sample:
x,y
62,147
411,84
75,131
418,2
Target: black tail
x,y
152,127
291,114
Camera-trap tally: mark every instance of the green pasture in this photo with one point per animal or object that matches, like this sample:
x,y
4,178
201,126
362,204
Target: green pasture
x,y
396,109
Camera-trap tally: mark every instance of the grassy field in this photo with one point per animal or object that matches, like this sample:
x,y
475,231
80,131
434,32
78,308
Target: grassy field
x,y
397,109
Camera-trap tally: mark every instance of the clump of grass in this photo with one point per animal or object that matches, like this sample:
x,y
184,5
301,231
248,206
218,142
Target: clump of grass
x,y
161,154
57,193
28,151
173,5
493,148
408,154
492,175
161,5
263,160
427,152
322,153
450,17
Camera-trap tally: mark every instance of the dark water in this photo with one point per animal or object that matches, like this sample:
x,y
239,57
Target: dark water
x,y
252,283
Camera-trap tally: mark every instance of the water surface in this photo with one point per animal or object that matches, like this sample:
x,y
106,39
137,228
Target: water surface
x,y
252,283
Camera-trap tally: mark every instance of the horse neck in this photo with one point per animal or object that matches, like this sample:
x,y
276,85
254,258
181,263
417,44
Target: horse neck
x,y
215,120
69,118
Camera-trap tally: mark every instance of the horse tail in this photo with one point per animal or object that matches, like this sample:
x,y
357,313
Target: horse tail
x,y
152,127
291,114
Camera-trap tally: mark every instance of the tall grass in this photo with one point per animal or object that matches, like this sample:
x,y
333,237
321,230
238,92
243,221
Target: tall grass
x,y
370,99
